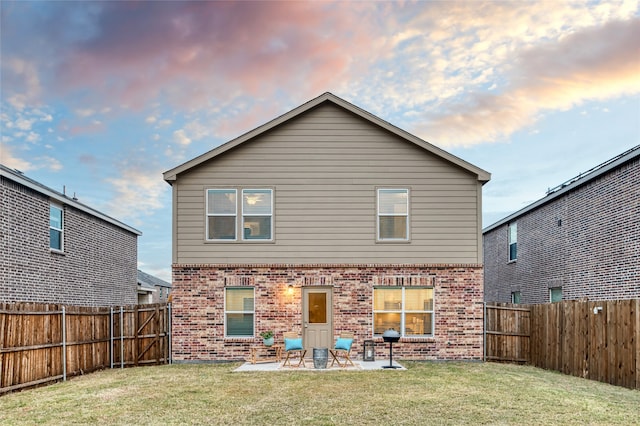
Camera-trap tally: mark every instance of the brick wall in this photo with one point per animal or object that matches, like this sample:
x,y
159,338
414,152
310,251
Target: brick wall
x,y
586,241
198,307
98,266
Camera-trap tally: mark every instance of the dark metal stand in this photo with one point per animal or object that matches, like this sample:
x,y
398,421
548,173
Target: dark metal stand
x,y
390,357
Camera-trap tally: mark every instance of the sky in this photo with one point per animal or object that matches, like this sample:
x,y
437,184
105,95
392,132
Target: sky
x,y
103,97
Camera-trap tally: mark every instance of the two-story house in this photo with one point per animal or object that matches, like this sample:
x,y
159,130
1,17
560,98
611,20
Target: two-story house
x,y
55,249
580,241
324,220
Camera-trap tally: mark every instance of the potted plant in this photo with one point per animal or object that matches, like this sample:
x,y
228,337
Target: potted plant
x,y
267,337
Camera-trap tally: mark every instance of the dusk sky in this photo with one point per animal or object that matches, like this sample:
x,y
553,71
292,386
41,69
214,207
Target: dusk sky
x,y
102,97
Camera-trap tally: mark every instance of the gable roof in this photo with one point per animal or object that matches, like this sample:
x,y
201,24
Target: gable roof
x,y
571,184
171,175
20,178
149,281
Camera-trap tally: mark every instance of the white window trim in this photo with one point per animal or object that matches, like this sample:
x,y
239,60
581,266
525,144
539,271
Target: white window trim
x,y
402,311
208,215
61,230
509,242
270,215
378,215
253,312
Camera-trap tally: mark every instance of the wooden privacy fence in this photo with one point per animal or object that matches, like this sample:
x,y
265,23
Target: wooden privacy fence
x,y
598,340
40,343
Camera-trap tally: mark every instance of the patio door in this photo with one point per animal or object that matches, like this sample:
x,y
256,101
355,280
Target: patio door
x,y
317,317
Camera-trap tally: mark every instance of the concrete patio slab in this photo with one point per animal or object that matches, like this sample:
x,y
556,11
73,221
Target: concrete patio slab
x,y
277,366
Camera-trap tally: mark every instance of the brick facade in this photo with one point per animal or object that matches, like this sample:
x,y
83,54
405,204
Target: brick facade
x,y
98,266
586,241
198,307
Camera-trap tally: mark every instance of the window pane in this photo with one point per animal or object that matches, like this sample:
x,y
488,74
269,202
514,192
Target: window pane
x,y
55,238
385,321
419,299
221,201
317,308
239,299
417,324
222,227
239,324
393,227
257,227
556,294
256,202
55,217
387,299
392,201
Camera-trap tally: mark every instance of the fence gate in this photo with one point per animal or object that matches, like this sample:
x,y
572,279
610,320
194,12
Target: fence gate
x,y
507,333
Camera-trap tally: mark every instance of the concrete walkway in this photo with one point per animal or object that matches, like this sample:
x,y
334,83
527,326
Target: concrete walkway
x,y
277,366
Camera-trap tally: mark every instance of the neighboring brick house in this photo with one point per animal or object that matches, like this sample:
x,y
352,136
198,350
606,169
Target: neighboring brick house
x,y
55,249
324,220
581,241
152,289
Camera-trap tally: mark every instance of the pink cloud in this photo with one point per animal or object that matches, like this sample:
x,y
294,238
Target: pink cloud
x,y
593,64
191,52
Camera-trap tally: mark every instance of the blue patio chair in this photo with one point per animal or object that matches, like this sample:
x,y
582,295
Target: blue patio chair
x,y
342,350
294,349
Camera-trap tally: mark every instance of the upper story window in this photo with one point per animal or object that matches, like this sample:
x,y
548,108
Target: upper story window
x,y
513,241
239,312
257,214
393,215
256,207
222,211
408,310
56,227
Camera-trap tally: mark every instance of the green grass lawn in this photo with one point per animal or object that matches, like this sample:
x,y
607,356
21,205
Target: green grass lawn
x,y
427,393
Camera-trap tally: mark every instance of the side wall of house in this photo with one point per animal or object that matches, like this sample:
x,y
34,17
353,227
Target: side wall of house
x,y
198,307
586,241
97,268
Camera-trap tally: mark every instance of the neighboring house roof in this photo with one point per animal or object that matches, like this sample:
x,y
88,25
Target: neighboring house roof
x,y
20,178
149,281
572,184
171,175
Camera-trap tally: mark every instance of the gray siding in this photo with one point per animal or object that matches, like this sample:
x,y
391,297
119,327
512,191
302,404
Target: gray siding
x,y
324,167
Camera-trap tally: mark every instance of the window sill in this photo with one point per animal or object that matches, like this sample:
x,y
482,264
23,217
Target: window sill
x,y
58,252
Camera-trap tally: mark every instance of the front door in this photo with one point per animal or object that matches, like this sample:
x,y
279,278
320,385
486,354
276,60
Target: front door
x,y
317,317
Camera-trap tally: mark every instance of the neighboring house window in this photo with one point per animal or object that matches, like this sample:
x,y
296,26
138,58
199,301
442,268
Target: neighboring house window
x,y
513,241
393,214
515,297
257,214
406,310
56,227
221,214
555,294
239,312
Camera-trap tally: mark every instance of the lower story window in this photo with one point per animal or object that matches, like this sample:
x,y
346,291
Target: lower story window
x,y
239,312
555,294
408,310
515,297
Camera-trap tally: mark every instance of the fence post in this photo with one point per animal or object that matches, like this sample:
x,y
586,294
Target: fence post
x,y
121,339
169,334
637,342
484,331
111,337
64,344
